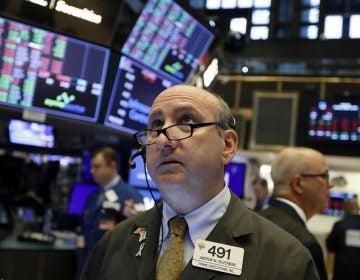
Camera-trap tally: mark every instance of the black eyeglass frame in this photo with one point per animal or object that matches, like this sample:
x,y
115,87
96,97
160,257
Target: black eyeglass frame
x,y
163,131
324,175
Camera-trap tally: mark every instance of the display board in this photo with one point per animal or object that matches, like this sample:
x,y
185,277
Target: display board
x,y
334,122
163,49
50,72
31,134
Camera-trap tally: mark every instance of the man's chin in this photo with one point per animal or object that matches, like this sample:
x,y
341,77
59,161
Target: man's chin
x,y
170,181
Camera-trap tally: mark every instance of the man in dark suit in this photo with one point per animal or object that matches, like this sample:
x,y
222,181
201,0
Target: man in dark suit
x,y
344,241
113,202
301,189
189,140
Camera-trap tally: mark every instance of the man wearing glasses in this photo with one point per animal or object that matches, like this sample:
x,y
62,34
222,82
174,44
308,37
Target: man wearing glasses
x,y
189,139
301,189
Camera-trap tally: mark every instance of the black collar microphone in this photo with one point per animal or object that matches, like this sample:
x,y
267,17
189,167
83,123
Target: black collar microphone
x,y
140,152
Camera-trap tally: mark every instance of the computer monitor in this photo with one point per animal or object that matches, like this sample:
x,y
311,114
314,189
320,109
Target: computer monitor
x,y
137,175
79,194
334,122
31,133
134,90
148,198
50,72
235,177
168,39
337,201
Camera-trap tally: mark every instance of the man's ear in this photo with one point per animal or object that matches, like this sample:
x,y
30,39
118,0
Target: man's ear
x,y
296,184
230,139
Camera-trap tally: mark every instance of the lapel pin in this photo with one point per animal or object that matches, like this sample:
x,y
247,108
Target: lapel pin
x,y
138,254
141,232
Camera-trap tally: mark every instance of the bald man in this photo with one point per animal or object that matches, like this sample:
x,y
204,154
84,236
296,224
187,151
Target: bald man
x,y
301,189
189,139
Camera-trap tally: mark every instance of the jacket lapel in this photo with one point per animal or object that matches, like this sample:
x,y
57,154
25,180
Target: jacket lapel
x,y
145,258
232,229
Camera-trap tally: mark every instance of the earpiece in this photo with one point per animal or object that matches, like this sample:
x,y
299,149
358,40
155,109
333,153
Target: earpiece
x,y
232,122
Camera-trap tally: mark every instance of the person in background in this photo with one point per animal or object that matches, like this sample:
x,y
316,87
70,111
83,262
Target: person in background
x,y
207,231
344,241
301,189
113,202
261,191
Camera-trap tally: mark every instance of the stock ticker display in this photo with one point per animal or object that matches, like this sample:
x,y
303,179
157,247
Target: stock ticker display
x,y
163,49
335,122
168,39
50,72
134,90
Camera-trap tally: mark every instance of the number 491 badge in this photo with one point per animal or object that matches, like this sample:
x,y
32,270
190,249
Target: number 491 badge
x,y
219,257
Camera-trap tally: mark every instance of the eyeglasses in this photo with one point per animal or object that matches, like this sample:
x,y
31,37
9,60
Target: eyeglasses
x,y
324,175
174,132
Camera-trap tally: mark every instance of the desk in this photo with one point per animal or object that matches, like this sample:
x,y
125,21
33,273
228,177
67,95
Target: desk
x,y
33,261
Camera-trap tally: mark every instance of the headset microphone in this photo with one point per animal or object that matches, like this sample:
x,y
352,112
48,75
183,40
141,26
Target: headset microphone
x,y
140,152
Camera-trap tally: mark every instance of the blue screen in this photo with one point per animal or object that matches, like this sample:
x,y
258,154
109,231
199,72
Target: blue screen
x,y
235,175
79,195
31,134
137,174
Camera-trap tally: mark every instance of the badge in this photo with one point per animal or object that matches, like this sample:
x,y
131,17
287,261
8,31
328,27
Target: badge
x,y
111,205
219,257
352,238
111,195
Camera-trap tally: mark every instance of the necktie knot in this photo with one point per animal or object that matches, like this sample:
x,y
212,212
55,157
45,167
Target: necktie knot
x,y
177,226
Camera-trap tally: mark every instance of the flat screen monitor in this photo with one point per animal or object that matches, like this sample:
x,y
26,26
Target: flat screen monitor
x,y
337,201
148,198
134,90
137,175
334,122
235,177
47,71
80,193
168,39
31,134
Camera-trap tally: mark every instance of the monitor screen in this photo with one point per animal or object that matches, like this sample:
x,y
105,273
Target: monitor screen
x,y
137,175
134,90
31,134
47,71
235,175
334,122
148,198
337,201
168,39
80,193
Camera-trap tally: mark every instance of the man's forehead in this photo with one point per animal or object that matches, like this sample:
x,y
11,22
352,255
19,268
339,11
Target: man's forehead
x,y
187,99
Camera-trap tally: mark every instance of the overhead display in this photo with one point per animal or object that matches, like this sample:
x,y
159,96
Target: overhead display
x,y
31,134
134,90
169,39
334,122
50,72
163,49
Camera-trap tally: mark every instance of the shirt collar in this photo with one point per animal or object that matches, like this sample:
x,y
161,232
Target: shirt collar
x,y
202,220
112,183
297,209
